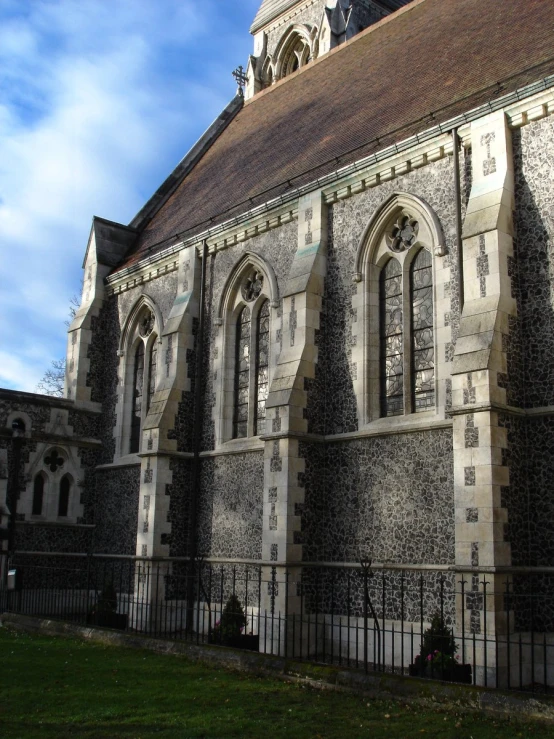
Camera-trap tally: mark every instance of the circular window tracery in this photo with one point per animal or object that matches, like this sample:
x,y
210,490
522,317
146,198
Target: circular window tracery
x,y
146,324
403,234
252,286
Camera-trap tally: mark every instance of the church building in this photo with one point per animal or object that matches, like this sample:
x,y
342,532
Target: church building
x,y
326,342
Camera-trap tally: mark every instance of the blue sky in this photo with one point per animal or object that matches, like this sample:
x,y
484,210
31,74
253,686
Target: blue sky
x,y
99,100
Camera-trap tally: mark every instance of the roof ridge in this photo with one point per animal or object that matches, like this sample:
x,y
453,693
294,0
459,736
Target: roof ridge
x,y
362,34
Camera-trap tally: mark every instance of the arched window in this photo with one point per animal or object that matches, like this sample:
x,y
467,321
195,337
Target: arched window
x,y
63,500
399,257
423,342
245,356
139,347
38,495
391,340
242,375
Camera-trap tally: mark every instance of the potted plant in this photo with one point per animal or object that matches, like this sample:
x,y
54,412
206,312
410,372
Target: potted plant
x,y
104,611
229,630
438,658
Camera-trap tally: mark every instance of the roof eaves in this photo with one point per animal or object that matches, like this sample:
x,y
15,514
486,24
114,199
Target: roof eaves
x,y
187,164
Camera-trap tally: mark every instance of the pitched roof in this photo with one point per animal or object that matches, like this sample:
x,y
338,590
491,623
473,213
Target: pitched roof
x,y
425,64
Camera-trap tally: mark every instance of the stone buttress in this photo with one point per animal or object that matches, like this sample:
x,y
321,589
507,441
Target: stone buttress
x,y
479,382
286,404
160,445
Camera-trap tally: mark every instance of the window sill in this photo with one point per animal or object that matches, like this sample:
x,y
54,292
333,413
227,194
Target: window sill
x,y
428,420
236,446
127,460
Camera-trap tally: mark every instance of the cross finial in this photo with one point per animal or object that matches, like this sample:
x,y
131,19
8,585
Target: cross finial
x,y
241,79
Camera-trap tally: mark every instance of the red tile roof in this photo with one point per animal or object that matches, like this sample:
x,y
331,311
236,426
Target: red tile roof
x,y
424,64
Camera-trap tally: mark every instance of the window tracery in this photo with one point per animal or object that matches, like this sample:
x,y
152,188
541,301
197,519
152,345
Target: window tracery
x,y
245,356
395,341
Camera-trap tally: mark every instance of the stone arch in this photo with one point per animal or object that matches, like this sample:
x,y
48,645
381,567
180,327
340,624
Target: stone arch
x,y
298,45
25,418
143,301
249,260
430,232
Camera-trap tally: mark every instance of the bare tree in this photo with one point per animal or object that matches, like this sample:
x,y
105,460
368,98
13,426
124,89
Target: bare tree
x,y
52,382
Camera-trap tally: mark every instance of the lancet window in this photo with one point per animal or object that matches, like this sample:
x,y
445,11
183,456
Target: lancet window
x,y
251,372
63,500
38,495
242,375
407,367
140,340
245,356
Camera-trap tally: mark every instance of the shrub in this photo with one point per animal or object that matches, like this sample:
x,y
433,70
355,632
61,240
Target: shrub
x,y
230,627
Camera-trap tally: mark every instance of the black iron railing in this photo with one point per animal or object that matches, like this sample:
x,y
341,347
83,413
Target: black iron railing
x,y
420,622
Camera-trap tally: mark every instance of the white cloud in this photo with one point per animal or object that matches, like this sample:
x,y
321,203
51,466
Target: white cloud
x,y
100,101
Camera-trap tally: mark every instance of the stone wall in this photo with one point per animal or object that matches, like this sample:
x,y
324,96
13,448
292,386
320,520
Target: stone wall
x,y
278,247
391,495
116,510
530,496
534,249
332,401
231,504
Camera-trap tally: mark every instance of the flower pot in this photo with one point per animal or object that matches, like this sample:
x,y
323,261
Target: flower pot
x,y
452,674
108,620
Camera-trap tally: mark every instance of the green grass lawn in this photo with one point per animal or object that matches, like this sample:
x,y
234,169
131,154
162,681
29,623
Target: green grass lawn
x,y
55,687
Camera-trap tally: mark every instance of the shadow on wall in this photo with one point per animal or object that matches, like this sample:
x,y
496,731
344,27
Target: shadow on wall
x,y
530,353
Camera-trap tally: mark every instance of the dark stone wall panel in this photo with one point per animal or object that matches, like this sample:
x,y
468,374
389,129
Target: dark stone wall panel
x,y
231,506
116,510
534,252
530,495
391,497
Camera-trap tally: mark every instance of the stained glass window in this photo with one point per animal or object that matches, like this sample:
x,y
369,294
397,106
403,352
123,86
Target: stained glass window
x,y
262,367
63,502
391,340
136,413
38,495
152,375
242,375
423,345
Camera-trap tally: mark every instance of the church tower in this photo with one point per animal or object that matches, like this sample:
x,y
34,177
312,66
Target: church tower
x,y
288,34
